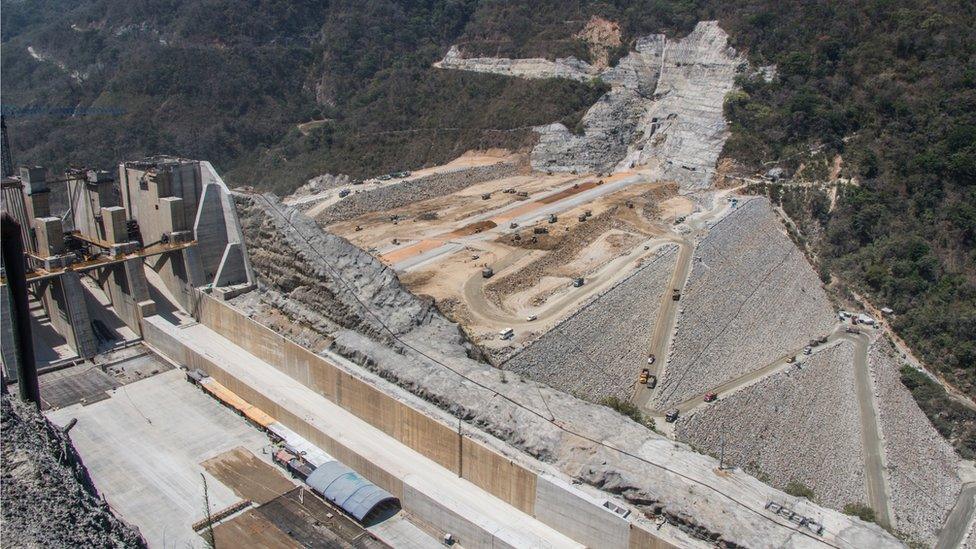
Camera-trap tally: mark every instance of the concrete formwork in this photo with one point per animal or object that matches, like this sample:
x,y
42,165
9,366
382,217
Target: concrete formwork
x,y
64,300
511,480
126,287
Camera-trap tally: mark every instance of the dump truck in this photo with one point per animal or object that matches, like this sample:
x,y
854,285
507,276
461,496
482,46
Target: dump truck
x,y
651,381
644,376
672,416
577,282
487,272
675,294
507,333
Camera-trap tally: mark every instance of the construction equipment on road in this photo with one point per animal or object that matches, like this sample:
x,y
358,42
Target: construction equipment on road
x,y
513,225
675,294
711,397
486,196
644,376
553,218
487,272
344,193
651,381
582,217
507,333
672,416
577,282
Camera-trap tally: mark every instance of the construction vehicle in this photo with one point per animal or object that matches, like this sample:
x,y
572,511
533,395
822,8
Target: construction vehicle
x,y
651,381
344,193
486,196
577,282
851,330
513,225
553,218
582,218
644,376
672,416
711,397
808,350
507,333
791,360
487,272
540,230
530,318
675,294
359,228
522,194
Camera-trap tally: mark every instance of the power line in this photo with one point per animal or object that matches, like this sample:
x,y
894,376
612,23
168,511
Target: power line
x,y
494,392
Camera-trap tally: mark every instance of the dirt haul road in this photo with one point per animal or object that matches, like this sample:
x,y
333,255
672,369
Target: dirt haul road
x,y
611,273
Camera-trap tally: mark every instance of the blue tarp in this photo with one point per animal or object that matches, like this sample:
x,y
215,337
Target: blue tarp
x,y
347,489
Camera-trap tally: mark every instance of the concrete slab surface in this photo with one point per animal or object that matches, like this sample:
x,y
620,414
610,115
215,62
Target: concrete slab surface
x,y
444,492
144,447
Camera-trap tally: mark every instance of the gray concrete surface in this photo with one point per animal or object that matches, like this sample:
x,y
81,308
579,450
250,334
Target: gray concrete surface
x,y
144,447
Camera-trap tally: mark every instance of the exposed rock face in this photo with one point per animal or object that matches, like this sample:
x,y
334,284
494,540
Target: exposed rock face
x,y
429,359
598,351
48,499
664,109
536,67
319,279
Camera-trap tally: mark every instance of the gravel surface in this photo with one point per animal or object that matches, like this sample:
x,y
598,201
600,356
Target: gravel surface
x,y
48,499
923,477
599,350
397,195
750,299
801,425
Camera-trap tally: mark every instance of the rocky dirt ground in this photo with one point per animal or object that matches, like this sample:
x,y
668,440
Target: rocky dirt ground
x,y
750,299
48,499
415,190
923,476
801,425
598,351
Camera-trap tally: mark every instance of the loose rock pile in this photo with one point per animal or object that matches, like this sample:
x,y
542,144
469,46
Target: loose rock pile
x,y
922,467
319,184
48,499
802,425
415,190
598,351
751,298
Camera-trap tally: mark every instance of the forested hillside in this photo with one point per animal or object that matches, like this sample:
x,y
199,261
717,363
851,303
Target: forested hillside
x,y
888,85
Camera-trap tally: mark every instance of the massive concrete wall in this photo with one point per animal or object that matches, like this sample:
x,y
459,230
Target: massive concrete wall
x,y
510,479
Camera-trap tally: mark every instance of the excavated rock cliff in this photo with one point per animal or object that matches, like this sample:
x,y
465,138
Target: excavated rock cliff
x,y
663,111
